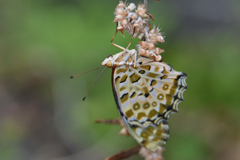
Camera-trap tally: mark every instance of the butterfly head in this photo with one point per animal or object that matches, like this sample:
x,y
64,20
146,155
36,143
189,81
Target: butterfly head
x,y
108,62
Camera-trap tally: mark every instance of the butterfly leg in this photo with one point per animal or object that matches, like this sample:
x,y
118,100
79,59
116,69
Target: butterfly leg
x,y
131,38
135,59
121,46
134,53
114,43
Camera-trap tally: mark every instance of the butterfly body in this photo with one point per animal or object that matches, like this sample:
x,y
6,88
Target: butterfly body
x,y
127,57
146,93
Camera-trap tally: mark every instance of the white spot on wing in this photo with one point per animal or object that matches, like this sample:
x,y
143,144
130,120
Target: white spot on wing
x,y
139,131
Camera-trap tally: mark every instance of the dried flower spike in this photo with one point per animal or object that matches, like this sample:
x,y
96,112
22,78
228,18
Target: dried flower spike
x,y
141,10
133,22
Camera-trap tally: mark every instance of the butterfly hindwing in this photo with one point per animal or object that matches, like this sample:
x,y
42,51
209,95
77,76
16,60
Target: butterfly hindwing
x,y
146,95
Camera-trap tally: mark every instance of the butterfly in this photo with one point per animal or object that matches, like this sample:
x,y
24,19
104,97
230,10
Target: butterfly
x,y
146,93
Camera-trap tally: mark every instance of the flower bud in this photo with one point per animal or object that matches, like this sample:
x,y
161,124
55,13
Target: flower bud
x,y
134,16
142,52
140,36
131,6
151,16
121,5
147,53
120,28
143,44
152,31
118,18
141,10
124,23
126,12
160,38
158,51
119,11
158,58
150,46
153,39
135,24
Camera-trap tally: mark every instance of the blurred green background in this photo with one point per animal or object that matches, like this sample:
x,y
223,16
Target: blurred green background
x,y
42,43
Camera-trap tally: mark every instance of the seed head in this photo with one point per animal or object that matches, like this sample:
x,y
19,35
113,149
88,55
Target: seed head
x,y
142,52
121,4
131,7
119,11
158,51
135,22
141,10
150,46
118,18
143,44
124,23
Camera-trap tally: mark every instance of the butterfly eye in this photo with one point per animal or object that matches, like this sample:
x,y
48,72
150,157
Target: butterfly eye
x,y
109,56
109,64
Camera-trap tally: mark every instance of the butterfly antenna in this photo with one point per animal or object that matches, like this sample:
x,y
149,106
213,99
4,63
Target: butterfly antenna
x,y
85,72
94,84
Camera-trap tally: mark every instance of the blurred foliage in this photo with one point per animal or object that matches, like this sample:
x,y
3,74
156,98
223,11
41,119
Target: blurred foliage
x,y
42,43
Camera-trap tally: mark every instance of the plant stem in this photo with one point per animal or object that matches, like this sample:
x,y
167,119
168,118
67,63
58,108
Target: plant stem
x,y
146,5
125,154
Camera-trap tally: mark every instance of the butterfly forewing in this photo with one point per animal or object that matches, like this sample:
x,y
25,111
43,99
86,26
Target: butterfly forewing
x,y
146,95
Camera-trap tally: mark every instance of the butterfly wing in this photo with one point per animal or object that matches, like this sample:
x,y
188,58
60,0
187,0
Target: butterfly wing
x,y
145,96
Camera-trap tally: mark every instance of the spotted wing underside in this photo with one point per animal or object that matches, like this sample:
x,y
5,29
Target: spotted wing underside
x,y
145,96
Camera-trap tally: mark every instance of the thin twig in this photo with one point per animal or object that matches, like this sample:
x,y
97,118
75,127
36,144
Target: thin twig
x,y
110,121
118,121
125,154
146,6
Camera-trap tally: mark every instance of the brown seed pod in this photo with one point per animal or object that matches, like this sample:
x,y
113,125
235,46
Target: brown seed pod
x,y
131,6
151,16
158,51
143,22
135,24
147,53
153,39
142,52
124,23
120,28
152,31
143,44
118,18
134,16
119,11
160,38
136,30
150,46
126,13
140,36
121,5
141,10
